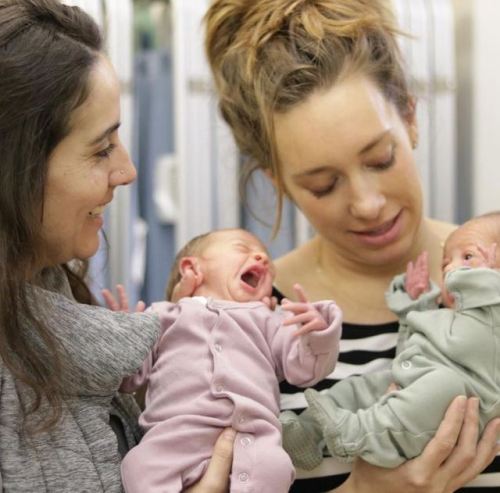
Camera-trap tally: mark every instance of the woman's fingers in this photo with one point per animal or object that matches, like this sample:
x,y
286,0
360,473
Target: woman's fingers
x,y
222,458
481,456
446,437
465,451
216,477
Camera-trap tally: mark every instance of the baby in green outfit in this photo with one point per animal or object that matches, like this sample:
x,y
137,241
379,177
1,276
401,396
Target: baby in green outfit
x,y
441,353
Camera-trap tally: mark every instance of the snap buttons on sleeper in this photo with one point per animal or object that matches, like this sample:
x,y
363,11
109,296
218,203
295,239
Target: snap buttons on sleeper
x,y
246,441
243,477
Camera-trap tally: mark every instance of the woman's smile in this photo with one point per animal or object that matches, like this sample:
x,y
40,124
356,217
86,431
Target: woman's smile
x,y
382,235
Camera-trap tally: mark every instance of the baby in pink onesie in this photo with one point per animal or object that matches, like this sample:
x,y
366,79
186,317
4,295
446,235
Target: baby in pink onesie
x,y
218,363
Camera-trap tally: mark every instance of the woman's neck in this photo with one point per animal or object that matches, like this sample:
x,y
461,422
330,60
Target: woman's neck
x,y
358,288
332,262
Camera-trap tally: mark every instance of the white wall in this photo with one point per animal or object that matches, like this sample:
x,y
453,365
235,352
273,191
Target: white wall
x,y
478,56
486,105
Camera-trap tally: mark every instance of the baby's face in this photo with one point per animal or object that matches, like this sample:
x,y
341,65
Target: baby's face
x,y
466,247
463,247
236,266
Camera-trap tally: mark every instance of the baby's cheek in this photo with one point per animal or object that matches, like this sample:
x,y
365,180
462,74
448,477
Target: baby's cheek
x,y
447,298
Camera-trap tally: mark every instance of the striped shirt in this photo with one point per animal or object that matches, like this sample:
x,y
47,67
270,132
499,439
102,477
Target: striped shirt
x,y
363,349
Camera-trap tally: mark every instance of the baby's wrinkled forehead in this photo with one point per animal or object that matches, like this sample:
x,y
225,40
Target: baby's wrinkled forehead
x,y
481,231
237,235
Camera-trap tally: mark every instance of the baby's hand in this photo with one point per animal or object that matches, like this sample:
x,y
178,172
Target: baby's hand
x,y
120,305
489,256
304,312
185,288
270,301
417,276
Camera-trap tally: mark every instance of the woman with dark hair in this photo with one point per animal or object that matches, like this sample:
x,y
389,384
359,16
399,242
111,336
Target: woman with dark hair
x,y
316,95
62,423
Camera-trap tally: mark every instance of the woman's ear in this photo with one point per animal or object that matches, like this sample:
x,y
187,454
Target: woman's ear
x,y
190,269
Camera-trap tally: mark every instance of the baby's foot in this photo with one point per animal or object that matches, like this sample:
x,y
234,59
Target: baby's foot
x,y
300,441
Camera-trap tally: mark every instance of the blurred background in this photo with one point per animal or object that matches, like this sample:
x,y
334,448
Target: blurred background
x,y
188,166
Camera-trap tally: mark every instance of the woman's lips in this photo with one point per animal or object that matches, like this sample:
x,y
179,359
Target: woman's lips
x,y
382,235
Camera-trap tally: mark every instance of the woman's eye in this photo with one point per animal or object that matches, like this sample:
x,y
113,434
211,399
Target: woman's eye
x,y
105,153
321,192
468,256
386,164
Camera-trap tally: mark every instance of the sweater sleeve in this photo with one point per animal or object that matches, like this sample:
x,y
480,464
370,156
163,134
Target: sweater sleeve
x,y
99,346
305,360
168,313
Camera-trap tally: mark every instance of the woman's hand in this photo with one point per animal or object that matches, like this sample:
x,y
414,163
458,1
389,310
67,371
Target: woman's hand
x,y
449,461
216,477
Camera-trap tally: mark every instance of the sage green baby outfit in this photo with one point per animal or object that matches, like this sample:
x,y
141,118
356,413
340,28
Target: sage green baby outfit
x,y
441,353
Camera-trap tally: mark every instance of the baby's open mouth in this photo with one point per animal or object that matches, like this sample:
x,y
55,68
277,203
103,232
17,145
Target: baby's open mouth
x,y
252,277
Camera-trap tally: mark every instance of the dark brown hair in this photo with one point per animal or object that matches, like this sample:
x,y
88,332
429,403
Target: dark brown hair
x,y
267,56
47,51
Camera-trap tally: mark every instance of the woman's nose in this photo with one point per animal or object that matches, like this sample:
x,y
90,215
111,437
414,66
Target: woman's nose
x,y
123,171
366,202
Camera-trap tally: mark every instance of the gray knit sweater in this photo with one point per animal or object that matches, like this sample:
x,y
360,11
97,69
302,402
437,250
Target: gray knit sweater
x,y
80,454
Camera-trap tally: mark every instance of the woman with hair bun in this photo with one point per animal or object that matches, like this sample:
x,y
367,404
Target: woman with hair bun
x,y
316,95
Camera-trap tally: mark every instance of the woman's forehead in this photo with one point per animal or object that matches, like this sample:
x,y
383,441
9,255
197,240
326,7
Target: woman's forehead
x,y
350,115
101,109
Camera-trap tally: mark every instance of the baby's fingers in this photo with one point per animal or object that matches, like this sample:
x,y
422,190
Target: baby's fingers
x,y
112,303
296,308
301,294
109,299
270,301
140,307
489,254
409,269
301,318
122,297
313,325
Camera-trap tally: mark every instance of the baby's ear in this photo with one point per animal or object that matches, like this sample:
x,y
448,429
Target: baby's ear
x,y
190,270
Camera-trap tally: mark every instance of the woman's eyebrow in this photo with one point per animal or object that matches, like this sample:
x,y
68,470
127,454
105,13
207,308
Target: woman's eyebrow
x,y
379,138
105,134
